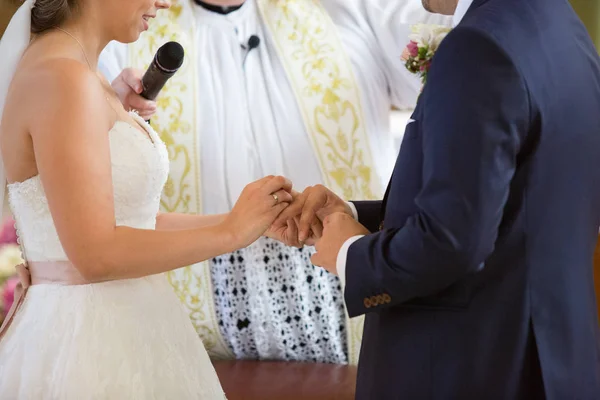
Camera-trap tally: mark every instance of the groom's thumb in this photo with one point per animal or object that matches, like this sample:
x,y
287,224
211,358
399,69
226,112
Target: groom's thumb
x,y
332,218
316,259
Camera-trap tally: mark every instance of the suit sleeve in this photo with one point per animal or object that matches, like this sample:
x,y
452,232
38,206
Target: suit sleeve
x,y
475,117
369,214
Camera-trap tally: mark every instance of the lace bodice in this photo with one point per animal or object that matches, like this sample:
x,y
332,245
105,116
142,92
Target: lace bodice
x,y
139,171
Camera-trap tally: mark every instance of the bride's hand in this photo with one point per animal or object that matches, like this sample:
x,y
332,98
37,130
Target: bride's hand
x,y
128,86
256,209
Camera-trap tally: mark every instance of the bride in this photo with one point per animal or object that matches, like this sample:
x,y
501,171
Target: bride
x,y
85,177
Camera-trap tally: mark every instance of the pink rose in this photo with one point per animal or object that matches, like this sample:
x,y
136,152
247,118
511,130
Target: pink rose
x,y
8,293
413,48
8,234
405,55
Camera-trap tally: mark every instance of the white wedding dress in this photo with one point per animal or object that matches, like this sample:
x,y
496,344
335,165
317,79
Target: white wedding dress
x,y
126,339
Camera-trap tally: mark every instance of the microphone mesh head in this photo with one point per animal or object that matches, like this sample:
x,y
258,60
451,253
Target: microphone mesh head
x,y
170,56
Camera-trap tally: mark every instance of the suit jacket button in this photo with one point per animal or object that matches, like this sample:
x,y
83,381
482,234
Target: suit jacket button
x,y
367,303
387,299
374,301
380,300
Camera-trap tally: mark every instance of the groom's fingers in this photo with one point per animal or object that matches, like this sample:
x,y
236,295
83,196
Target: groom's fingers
x,y
292,234
310,241
272,184
316,259
292,212
313,203
276,210
306,221
317,228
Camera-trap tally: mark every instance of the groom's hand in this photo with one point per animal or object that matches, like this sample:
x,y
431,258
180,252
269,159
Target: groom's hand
x,y
287,233
337,229
310,208
286,230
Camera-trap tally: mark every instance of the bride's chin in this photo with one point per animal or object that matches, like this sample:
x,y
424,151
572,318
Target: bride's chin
x,y
133,36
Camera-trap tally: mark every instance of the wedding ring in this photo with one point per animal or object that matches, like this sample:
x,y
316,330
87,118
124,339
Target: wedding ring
x,y
276,198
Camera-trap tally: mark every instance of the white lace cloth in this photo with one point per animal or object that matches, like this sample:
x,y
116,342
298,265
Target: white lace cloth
x,y
272,303
127,339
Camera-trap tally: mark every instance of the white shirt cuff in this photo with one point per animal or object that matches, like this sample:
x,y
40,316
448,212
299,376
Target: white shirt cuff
x,y
343,257
353,208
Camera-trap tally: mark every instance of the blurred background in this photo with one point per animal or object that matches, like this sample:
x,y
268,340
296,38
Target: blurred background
x,y
7,8
589,11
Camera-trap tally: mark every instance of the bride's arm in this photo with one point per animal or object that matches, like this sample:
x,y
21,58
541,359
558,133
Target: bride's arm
x,y
176,221
70,139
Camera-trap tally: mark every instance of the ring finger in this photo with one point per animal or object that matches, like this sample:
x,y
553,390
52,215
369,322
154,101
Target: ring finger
x,y
281,196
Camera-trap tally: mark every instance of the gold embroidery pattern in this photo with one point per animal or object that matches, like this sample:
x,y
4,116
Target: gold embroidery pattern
x,y
328,95
324,82
175,122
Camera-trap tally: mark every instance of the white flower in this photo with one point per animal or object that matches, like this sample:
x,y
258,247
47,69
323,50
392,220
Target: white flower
x,y
428,35
10,257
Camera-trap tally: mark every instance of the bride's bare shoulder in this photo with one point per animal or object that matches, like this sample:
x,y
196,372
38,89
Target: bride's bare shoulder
x,y
56,79
55,86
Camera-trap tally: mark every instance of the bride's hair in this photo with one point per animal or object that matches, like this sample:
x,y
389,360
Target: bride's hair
x,y
48,14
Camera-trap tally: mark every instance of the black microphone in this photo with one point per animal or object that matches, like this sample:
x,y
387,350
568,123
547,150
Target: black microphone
x,y
166,62
253,43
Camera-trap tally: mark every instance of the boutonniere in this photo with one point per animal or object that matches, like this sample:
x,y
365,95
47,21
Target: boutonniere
x,y
424,42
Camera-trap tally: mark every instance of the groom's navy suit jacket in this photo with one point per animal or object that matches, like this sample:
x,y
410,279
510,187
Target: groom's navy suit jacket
x,y
479,284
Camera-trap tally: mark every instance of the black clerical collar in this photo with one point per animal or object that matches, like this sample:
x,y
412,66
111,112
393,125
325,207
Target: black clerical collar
x,y
218,9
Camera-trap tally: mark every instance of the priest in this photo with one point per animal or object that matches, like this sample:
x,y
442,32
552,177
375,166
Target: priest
x,y
300,88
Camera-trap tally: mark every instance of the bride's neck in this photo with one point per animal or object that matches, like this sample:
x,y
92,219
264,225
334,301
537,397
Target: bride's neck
x,y
89,37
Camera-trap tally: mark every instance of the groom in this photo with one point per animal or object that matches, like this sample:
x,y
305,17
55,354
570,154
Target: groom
x,y
475,271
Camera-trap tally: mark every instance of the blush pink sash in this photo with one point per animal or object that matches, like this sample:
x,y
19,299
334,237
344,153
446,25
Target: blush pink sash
x,y
35,273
